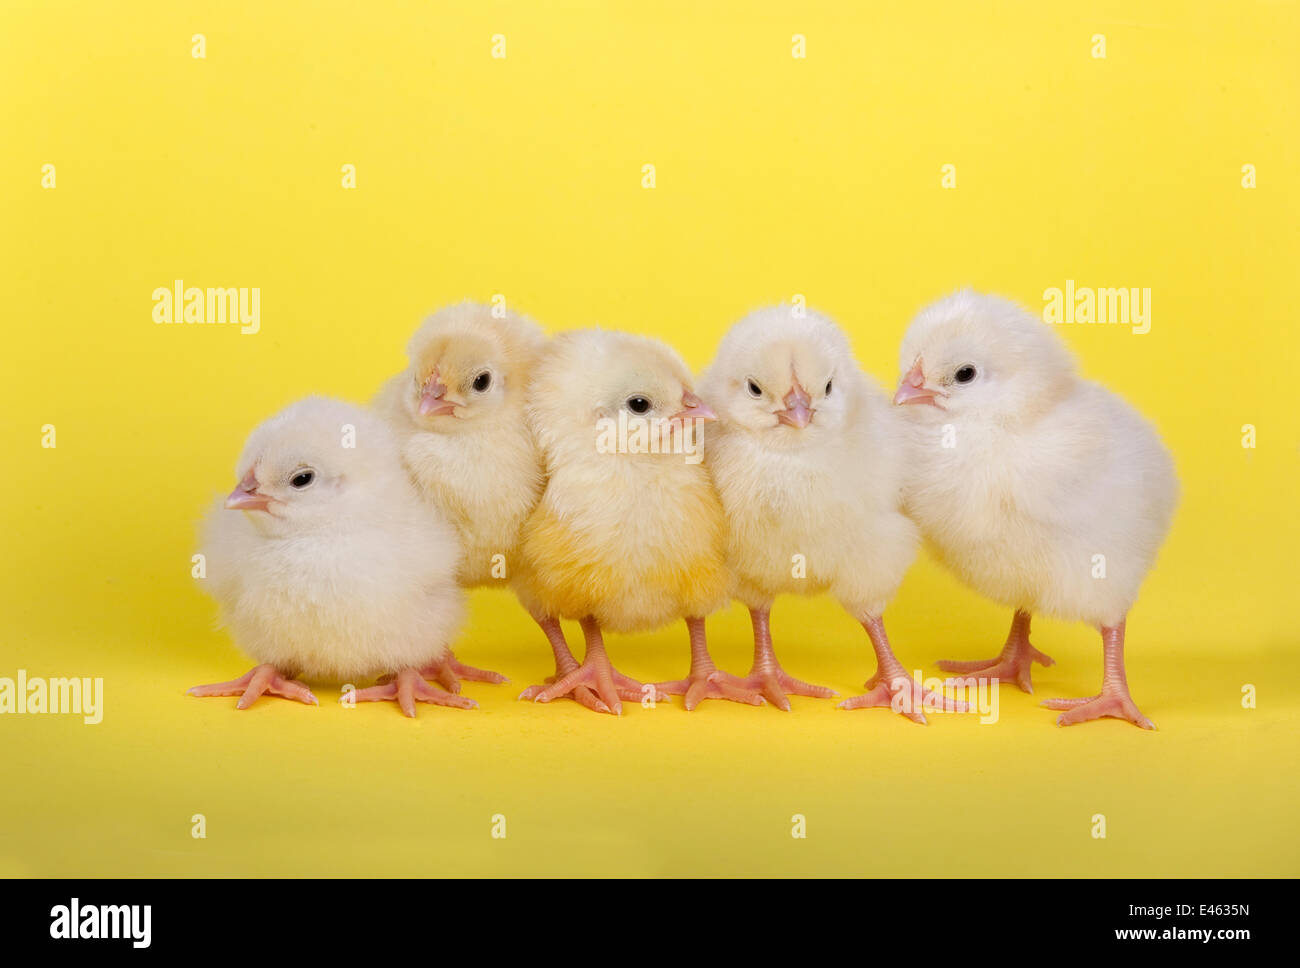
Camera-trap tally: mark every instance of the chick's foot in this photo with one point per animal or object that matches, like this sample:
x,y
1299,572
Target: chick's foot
x,y
1109,702
407,688
596,674
448,671
702,684
766,675
1114,700
564,664
1014,663
775,684
582,695
595,684
256,682
903,694
891,685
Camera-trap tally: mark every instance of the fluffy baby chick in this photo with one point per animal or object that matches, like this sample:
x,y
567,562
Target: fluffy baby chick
x,y
1043,491
808,460
629,533
458,409
326,564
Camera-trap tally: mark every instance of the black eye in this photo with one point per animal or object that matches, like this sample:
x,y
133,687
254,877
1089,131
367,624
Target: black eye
x,y
302,479
754,389
828,388
965,374
638,404
482,382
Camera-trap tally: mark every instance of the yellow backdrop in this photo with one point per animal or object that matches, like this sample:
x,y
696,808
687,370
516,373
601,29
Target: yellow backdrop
x,y
523,175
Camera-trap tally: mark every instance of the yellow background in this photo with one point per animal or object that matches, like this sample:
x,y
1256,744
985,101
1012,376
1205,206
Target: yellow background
x,y
522,176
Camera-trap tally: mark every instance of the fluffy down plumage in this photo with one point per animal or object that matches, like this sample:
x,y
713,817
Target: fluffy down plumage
x,y
346,578
635,540
1021,477
473,458
828,492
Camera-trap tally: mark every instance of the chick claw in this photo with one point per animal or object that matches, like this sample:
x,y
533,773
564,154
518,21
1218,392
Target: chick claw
x,y
1014,662
579,694
776,685
903,694
406,688
448,671
707,684
1115,703
254,683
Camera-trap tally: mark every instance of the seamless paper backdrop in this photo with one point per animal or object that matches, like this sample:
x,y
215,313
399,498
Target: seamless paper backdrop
x,y
523,176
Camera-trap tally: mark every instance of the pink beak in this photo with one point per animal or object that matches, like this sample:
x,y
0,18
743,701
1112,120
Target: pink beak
x,y
431,402
693,408
246,497
798,411
912,388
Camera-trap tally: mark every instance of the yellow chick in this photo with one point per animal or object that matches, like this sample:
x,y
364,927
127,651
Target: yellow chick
x,y
458,410
629,534
333,568
807,459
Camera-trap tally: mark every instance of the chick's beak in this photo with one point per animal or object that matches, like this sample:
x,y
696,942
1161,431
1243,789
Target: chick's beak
x,y
798,410
912,388
431,397
246,497
693,408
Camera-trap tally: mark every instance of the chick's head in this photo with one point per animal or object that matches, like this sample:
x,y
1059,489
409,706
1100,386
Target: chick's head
x,y
468,367
590,380
981,357
791,379
318,463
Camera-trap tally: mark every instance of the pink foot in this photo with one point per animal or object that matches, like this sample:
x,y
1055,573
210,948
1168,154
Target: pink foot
x,y
903,694
448,671
775,685
766,677
582,695
710,684
589,681
564,664
1110,702
1015,662
1114,699
891,685
634,689
255,682
408,687
595,674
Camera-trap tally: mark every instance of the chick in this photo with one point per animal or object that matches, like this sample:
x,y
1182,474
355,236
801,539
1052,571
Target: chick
x,y
807,458
326,564
629,533
1043,491
458,409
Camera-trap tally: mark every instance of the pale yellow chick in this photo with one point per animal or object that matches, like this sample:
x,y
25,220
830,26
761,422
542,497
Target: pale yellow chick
x,y
458,411
629,534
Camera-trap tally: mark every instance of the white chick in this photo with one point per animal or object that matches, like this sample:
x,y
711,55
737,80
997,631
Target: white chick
x,y
458,409
326,564
807,458
629,534
1044,492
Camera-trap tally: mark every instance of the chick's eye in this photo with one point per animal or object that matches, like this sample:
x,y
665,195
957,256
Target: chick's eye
x,y
482,382
964,374
638,404
828,387
754,389
302,479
